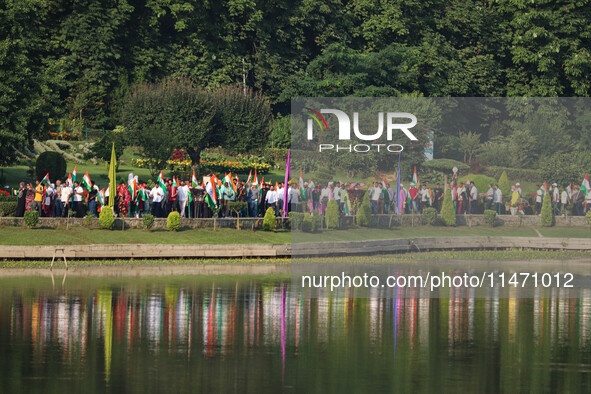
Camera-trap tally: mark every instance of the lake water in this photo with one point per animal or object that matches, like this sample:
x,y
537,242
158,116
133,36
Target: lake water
x,y
252,334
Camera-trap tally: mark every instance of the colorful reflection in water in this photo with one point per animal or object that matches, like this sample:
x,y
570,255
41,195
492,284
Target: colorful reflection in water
x,y
256,335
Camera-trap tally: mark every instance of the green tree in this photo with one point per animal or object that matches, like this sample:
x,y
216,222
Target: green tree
x,y
504,185
547,217
469,144
448,213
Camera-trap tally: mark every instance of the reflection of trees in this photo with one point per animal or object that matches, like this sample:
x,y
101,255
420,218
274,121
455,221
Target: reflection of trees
x,y
273,326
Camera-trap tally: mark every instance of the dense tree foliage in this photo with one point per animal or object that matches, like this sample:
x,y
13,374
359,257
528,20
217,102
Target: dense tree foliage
x,y
65,59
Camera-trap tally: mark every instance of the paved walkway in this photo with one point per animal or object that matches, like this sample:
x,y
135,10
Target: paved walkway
x,y
401,245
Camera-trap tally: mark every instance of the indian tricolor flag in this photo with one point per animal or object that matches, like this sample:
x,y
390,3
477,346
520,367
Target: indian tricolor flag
x,y
256,178
142,193
211,197
86,181
161,183
69,181
585,186
74,175
311,184
415,179
101,197
249,176
174,182
194,182
45,181
302,189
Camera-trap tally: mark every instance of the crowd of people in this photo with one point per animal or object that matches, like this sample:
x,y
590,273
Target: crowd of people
x,y
190,198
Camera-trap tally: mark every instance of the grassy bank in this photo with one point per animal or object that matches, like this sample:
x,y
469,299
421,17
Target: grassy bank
x,y
84,236
479,255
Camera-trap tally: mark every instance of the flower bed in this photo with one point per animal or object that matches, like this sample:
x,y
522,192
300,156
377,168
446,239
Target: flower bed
x,y
211,166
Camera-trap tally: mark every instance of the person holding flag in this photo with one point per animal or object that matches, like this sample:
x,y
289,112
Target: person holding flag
x,y
585,189
36,205
539,199
211,197
157,195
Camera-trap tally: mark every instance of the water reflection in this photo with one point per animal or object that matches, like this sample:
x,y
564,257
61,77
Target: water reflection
x,y
260,336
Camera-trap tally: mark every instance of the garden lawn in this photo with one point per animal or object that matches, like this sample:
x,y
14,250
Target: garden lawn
x,y
82,235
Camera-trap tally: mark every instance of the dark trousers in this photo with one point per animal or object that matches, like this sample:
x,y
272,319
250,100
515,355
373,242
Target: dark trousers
x,y
173,205
78,209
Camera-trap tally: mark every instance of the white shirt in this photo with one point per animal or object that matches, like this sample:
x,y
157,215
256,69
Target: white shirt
x,y
78,197
498,196
337,193
156,194
474,193
490,193
271,197
66,194
555,194
279,192
564,197
539,194
183,193
424,194
48,194
294,196
325,193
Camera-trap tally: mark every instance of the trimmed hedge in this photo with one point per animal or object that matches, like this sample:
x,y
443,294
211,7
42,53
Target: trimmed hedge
x,y
4,198
106,218
515,174
173,222
332,214
8,209
448,212
311,224
296,219
148,221
547,217
364,212
269,221
430,216
489,217
31,218
52,163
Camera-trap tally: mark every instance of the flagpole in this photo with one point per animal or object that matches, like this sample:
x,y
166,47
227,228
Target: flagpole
x,y
398,187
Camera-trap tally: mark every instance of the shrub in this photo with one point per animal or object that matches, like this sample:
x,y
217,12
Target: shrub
x,y
295,219
52,163
148,221
237,206
504,185
547,217
430,216
332,214
269,221
8,209
520,174
88,220
4,198
106,218
489,217
173,222
588,216
311,224
448,213
31,218
364,212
